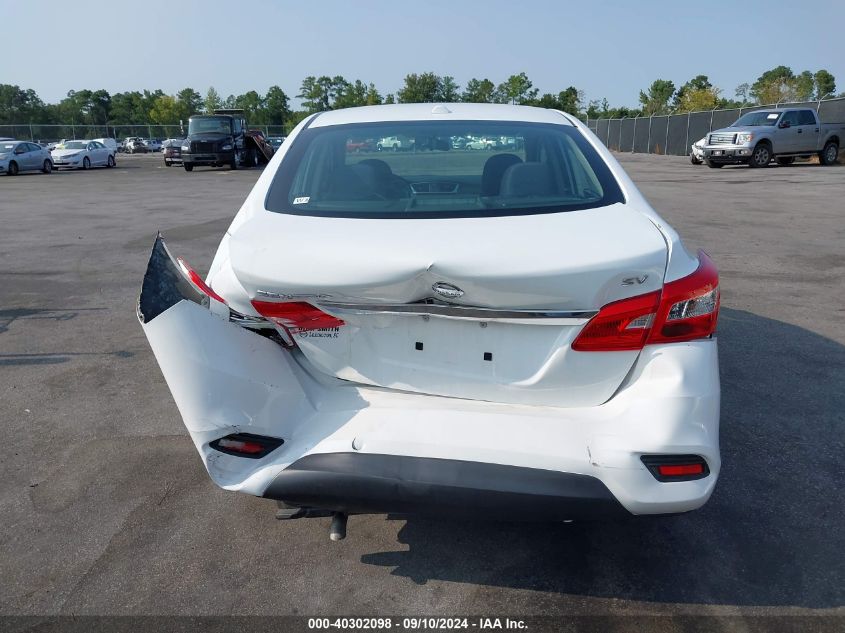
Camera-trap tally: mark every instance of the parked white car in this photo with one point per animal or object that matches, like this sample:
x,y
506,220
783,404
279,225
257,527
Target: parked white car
x,y
394,143
18,156
83,155
108,142
135,146
521,336
696,154
153,144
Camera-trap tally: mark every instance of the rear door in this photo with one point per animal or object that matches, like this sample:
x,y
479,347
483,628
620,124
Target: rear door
x,y
808,131
36,155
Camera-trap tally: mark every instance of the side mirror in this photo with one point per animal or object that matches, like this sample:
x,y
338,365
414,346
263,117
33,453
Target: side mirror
x,y
784,124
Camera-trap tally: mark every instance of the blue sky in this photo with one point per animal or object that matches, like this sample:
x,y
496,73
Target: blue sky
x,y
608,49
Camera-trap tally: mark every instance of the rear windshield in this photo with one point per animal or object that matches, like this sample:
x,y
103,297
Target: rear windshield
x,y
440,169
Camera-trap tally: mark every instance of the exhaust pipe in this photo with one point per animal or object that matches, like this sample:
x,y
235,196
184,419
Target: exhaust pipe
x,y
337,532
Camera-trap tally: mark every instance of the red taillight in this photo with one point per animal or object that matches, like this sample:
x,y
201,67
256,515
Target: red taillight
x,y
237,446
197,281
689,307
681,470
621,325
684,310
247,445
296,316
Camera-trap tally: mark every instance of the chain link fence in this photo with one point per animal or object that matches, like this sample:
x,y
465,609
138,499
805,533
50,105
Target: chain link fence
x,y
48,133
673,134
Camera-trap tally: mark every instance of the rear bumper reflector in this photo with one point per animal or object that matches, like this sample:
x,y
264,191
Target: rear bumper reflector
x,y
667,468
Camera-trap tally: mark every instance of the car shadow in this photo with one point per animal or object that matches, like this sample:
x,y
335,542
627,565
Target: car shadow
x,y
772,534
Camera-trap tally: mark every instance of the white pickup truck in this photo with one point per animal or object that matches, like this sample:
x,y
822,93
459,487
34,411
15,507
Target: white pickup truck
x,y
782,134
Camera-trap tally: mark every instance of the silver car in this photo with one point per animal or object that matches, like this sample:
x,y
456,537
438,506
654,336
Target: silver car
x,y
18,156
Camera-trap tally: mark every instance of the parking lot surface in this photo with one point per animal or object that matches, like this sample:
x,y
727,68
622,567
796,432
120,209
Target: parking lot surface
x,y
107,508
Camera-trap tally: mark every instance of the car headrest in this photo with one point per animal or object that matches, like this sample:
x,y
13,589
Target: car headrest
x,y
494,169
527,179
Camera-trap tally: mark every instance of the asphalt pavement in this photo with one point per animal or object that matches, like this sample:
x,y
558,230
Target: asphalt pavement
x,y
107,508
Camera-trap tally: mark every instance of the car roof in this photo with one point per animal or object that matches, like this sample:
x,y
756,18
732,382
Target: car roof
x,y
781,109
439,112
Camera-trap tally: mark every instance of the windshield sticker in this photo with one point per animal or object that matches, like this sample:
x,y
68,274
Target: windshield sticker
x,y
773,115
302,200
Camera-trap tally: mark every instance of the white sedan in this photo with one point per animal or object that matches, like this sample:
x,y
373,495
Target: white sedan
x,y
515,334
83,155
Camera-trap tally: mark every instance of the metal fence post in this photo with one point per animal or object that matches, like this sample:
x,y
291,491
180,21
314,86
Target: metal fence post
x,y
619,147
710,129
634,136
648,142
686,145
666,145
607,137
31,137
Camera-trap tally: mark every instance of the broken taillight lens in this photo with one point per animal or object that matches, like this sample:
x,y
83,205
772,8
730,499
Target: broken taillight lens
x,y
689,307
246,445
296,316
686,309
197,281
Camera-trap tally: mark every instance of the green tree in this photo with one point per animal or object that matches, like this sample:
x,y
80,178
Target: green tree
x,y
320,93
422,88
190,102
742,93
389,98
774,85
373,96
517,89
825,84
277,104
350,95
212,100
165,110
253,106
698,99
20,106
804,86
449,90
479,91
656,100
570,100
699,83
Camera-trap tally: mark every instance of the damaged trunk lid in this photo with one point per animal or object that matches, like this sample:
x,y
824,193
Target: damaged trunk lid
x,y
480,308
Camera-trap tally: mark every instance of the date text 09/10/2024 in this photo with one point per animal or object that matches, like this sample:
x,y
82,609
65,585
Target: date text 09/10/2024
x,y
417,624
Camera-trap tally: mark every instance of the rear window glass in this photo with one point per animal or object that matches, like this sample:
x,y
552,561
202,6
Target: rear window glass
x,y
440,169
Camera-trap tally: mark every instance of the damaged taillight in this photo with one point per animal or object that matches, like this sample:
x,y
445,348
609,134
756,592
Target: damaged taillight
x,y
296,316
247,445
686,309
689,307
197,281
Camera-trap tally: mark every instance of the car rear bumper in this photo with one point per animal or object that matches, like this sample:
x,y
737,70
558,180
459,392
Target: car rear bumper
x,y
357,482
366,449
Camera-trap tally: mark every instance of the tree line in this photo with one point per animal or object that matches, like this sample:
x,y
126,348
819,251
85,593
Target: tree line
x,y
98,107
